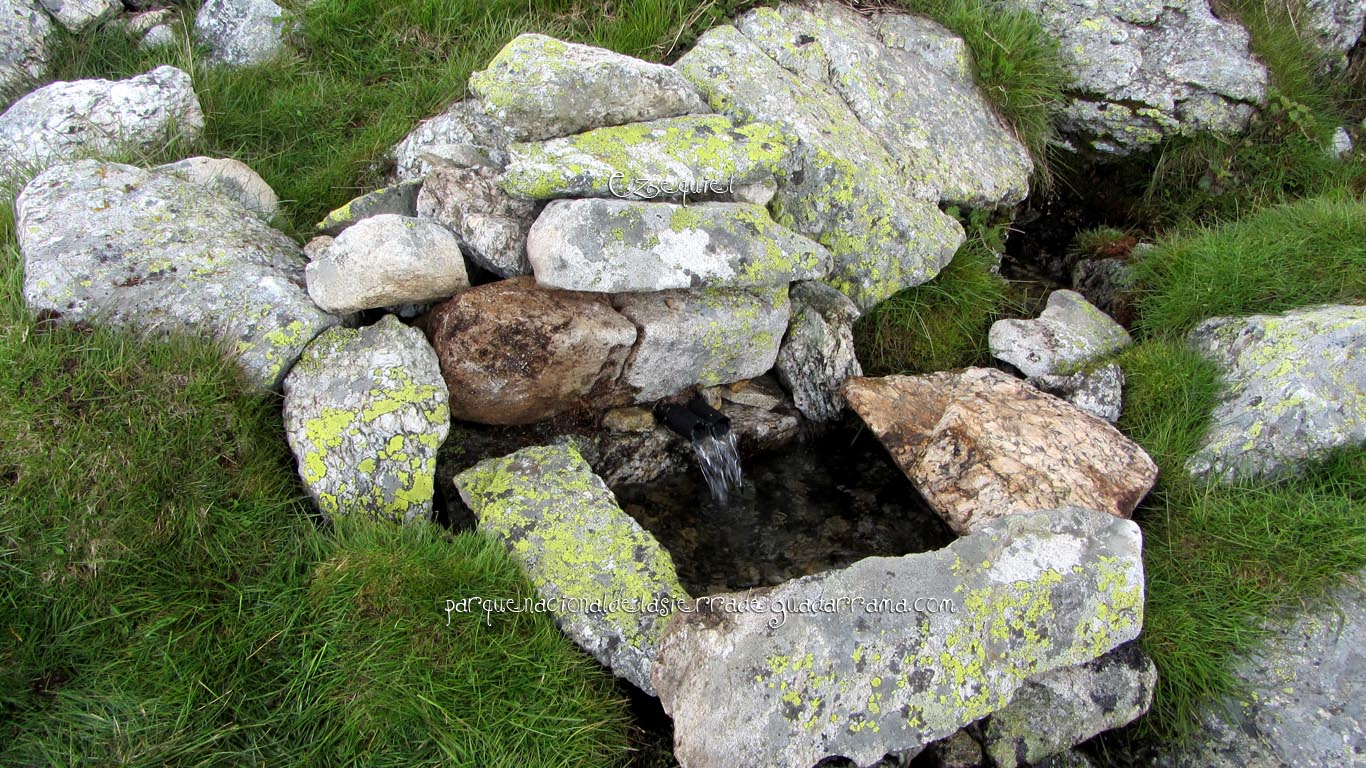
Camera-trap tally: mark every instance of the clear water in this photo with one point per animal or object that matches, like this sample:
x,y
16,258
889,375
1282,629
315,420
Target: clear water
x,y
719,458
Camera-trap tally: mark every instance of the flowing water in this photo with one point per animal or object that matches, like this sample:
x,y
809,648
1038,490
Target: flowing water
x,y
719,458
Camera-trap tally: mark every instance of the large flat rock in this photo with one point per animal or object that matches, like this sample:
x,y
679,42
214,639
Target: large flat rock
x,y
891,654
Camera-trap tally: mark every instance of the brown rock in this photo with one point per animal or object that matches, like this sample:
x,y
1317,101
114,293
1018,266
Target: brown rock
x,y
513,353
981,444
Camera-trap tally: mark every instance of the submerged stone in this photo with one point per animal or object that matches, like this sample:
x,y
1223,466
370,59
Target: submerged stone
x,y
1069,333
891,654
1294,390
365,412
114,244
538,87
697,156
616,246
605,580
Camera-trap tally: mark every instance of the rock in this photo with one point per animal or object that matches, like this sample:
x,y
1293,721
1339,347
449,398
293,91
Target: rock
x,y
762,393
1105,283
491,225
24,34
708,337
959,751
241,33
160,36
156,28
88,118
894,653
817,354
845,191
80,15
538,87
316,247
1070,759
607,582
757,429
365,412
632,419
1304,703
695,156
399,199
1148,70
615,246
930,42
980,444
1338,25
1057,710
1099,392
386,260
1341,145
118,245
464,123
1069,333
1293,390
514,353
230,178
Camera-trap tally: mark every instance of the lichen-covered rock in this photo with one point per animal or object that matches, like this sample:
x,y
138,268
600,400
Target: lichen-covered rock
x,y
934,44
111,243
1338,25
817,354
231,178
515,353
615,246
707,336
845,190
1057,710
1106,284
386,260
1099,391
1069,333
980,444
697,156
960,750
241,33
606,581
399,199
894,653
24,34
88,118
365,412
491,225
1293,390
1149,69
538,87
1305,700
464,124
79,15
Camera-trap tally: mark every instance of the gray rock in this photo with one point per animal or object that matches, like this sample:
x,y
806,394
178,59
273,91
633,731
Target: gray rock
x,y
1070,759
1105,283
24,34
841,672
1069,333
817,354
90,118
960,750
708,336
696,156
386,260
490,224
80,15
607,582
464,123
111,243
241,33
156,28
1293,390
232,179
160,36
1304,703
615,246
399,199
365,412
1338,25
762,393
1341,145
540,88
846,191
929,41
317,246
1099,391
759,429
1149,69
1057,710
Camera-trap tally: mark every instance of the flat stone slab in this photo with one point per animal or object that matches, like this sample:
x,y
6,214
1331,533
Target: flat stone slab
x,y
1294,390
365,412
606,581
113,244
696,156
616,246
891,654
1067,334
981,444
538,87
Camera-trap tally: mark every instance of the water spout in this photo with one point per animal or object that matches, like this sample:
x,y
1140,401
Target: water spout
x,y
713,443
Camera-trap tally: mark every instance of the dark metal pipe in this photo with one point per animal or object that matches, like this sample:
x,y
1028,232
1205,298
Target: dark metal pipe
x,y
694,420
717,422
